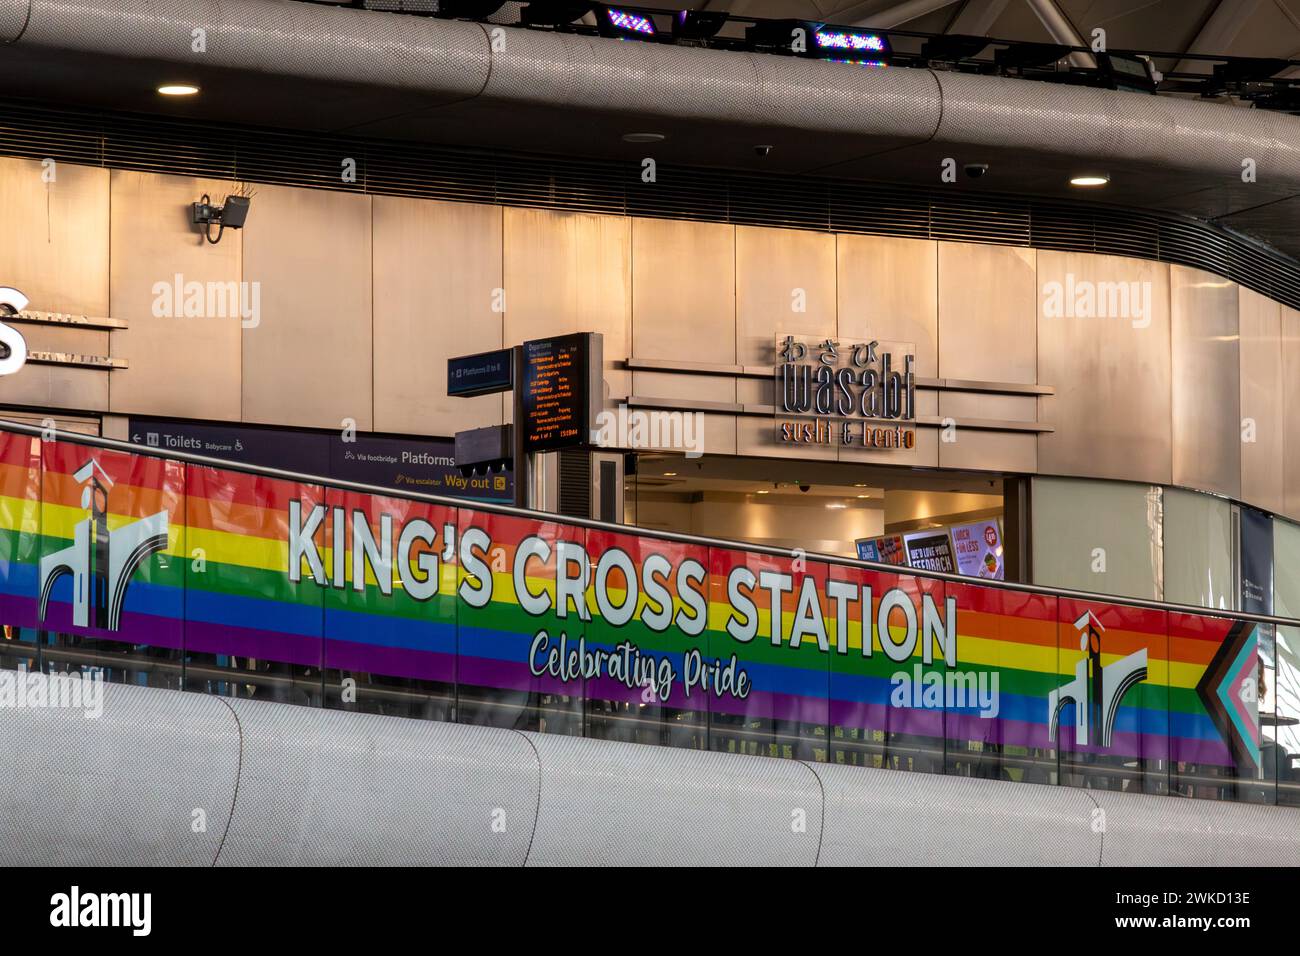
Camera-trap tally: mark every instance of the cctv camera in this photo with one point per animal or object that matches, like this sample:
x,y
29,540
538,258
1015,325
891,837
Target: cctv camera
x,y
762,150
976,170
805,488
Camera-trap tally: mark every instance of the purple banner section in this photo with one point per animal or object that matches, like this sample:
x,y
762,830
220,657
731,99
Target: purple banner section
x,y
136,628
283,448
894,720
393,661
201,637
408,464
509,675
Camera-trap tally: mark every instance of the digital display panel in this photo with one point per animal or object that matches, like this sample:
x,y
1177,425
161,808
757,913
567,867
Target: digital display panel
x,y
554,394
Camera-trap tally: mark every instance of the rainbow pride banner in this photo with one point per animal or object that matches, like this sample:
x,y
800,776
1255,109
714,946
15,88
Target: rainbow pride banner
x,y
222,564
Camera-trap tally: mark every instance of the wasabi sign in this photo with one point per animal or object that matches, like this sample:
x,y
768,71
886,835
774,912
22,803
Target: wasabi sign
x,y
841,393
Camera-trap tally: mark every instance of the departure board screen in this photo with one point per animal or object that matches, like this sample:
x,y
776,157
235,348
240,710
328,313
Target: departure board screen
x,y
554,397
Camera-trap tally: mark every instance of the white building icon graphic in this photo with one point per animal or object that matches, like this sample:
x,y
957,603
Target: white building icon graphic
x,y
100,561
1095,691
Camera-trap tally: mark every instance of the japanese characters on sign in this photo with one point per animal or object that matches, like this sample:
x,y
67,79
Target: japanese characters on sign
x,y
844,393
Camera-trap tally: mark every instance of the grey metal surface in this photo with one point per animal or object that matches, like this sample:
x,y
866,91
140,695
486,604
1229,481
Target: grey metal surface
x,y
120,789
1183,832
636,805
13,18
320,788
893,818
324,787
275,37
446,61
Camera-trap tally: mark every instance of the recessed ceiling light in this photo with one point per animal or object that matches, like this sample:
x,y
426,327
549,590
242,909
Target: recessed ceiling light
x,y
859,484
670,474
1090,179
643,137
761,492
177,89
864,496
837,504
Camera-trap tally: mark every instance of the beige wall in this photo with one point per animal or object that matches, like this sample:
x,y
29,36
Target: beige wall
x,y
437,269
684,304
1112,405
151,241
364,298
308,362
1206,378
54,249
987,325
1263,418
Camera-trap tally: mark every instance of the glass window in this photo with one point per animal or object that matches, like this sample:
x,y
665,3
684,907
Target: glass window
x,y
517,632
997,720
112,550
765,657
1198,550
1284,715
252,631
390,647
1111,704
884,710
648,602
1098,536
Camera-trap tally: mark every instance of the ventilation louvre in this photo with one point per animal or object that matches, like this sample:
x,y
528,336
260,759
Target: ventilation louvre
x,y
220,151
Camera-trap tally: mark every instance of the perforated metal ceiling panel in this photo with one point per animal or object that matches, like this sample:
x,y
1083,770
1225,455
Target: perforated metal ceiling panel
x,y
148,782
637,805
322,787
131,141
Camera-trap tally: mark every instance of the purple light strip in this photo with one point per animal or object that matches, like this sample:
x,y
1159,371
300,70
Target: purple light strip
x,y
851,41
632,22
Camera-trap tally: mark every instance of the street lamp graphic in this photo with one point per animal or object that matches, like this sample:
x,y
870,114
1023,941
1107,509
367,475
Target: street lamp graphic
x,y
1095,691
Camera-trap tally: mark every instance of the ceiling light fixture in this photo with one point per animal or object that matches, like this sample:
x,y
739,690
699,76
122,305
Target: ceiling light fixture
x,y
177,89
1090,179
643,137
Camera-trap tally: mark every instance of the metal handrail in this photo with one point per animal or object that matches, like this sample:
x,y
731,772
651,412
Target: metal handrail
x,y
677,536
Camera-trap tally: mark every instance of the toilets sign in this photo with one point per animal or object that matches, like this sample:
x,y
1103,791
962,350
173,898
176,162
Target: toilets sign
x,y
13,347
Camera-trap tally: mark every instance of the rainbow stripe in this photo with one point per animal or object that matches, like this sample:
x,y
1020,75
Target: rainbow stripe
x,y
222,586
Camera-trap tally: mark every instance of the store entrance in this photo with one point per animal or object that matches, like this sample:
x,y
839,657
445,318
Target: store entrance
x,y
921,518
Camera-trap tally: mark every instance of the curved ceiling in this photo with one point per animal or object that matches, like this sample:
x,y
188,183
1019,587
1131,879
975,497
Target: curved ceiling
x,y
295,65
